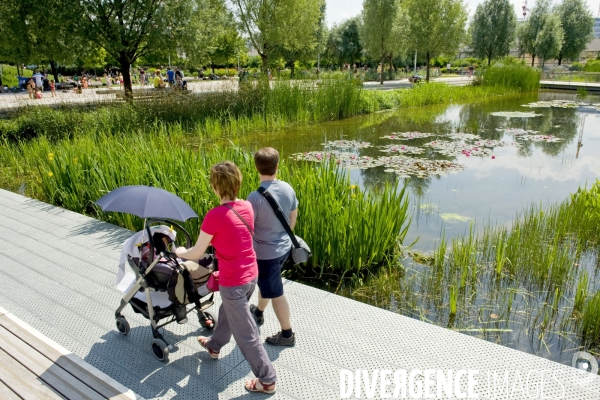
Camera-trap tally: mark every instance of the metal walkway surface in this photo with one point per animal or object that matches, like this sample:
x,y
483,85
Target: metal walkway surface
x,y
57,274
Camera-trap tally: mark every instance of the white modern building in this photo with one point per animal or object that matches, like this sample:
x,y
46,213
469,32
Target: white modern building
x,y
597,28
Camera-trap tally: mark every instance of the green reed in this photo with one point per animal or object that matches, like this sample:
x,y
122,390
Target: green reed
x,y
532,277
349,230
512,75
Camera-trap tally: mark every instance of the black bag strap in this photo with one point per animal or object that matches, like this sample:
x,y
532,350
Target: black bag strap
x,y
241,218
279,214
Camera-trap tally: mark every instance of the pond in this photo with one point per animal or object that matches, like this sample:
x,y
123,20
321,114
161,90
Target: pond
x,y
467,165
488,187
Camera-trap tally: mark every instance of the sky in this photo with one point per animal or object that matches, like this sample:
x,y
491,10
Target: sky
x,y
339,10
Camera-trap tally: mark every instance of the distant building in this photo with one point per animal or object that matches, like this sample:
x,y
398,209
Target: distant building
x,y
597,28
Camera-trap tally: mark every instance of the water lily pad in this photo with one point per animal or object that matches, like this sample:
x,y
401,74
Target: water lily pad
x,y
454,217
539,138
459,148
347,144
392,148
515,114
495,143
409,166
561,104
463,136
407,135
516,131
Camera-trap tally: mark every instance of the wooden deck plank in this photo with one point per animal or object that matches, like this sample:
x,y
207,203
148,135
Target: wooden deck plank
x,y
56,377
6,393
64,361
22,381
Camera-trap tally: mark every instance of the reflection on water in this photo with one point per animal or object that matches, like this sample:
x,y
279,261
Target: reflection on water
x,y
531,317
488,189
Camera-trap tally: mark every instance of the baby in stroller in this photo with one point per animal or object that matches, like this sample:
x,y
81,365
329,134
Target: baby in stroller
x,y
159,286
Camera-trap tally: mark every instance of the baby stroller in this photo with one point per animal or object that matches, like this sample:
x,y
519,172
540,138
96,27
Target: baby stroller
x,y
162,287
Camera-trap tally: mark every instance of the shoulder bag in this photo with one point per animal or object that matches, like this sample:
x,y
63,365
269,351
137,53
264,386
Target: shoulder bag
x,y
300,250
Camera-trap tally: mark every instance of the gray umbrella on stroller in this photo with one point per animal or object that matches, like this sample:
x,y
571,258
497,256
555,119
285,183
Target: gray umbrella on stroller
x,y
159,206
146,202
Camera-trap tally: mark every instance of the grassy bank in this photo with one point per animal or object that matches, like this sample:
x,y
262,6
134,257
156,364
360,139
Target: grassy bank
x,y
536,278
233,112
348,230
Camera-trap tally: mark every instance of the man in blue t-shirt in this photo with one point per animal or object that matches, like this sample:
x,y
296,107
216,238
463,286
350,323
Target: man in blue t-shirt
x,y
170,76
272,244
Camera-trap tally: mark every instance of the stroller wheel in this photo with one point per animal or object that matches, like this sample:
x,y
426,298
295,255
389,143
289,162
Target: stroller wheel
x,y
209,323
160,350
122,326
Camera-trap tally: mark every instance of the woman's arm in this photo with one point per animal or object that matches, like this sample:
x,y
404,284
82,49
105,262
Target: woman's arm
x,y
196,252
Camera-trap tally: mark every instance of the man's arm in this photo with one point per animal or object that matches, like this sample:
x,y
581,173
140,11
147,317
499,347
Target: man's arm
x,y
293,217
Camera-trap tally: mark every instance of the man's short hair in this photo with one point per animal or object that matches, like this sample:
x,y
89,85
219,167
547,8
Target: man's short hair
x,y
266,161
226,179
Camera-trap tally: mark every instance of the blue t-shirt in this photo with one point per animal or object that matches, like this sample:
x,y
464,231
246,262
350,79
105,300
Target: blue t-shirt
x,y
171,75
270,238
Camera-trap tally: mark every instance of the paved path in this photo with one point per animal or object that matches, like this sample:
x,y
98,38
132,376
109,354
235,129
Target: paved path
x,y
57,273
563,85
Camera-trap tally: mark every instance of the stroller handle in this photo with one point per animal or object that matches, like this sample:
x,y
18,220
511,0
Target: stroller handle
x,y
188,239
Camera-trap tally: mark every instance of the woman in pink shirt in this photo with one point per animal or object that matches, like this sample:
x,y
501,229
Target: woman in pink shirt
x,y
229,228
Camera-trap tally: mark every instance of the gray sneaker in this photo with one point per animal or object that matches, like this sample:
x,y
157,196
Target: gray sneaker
x,y
278,340
259,320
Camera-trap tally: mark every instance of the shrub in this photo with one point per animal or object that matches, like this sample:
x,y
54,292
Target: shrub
x,y
576,66
592,66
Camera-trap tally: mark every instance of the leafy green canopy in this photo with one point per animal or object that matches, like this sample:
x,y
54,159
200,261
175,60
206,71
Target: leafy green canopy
x,y
275,24
578,25
436,26
493,29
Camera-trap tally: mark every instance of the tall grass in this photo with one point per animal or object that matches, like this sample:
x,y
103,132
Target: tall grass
x,y
512,75
349,231
230,112
533,278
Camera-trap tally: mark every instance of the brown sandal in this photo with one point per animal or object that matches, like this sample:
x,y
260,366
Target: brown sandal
x,y
203,340
268,388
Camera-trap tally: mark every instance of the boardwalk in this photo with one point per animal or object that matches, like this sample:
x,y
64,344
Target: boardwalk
x,y
57,273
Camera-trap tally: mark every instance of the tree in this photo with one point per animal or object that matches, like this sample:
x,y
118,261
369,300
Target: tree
x,y
273,24
493,29
304,51
436,26
550,39
39,31
350,47
578,25
130,29
528,33
377,30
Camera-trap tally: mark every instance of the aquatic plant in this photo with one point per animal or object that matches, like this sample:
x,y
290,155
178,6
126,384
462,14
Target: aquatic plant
x,y
348,230
512,75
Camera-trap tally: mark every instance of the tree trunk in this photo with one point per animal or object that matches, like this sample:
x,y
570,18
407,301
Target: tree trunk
x,y
391,65
125,64
292,69
489,61
532,60
427,55
382,64
54,70
212,66
559,59
265,62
